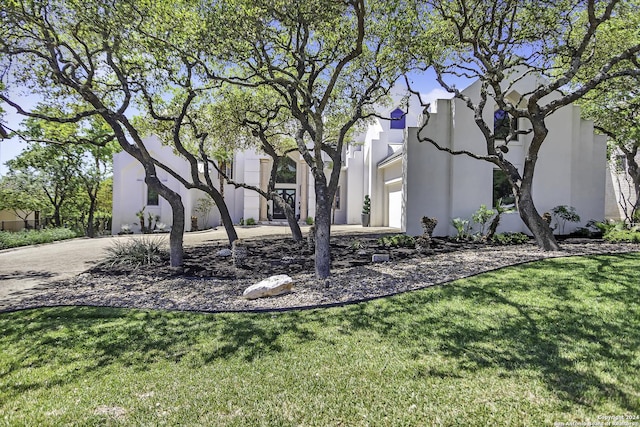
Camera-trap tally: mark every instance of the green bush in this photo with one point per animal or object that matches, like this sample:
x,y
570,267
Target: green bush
x,y
33,237
136,251
463,228
619,236
509,239
250,221
397,241
309,220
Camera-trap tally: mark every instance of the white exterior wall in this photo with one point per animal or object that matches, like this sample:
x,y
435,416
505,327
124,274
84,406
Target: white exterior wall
x,y
250,175
427,173
570,168
130,190
354,183
421,181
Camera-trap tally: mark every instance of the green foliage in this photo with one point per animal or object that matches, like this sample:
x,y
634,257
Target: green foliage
x,y
33,237
557,339
509,238
397,241
356,245
309,220
482,216
616,235
134,252
21,193
463,228
563,214
250,221
366,206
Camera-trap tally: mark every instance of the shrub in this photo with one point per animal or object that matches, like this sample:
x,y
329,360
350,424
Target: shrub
x,y
309,220
619,236
356,245
509,239
482,216
34,237
366,205
462,227
136,252
564,214
250,221
397,241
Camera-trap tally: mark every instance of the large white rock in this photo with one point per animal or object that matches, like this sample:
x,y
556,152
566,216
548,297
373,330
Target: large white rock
x,y
271,286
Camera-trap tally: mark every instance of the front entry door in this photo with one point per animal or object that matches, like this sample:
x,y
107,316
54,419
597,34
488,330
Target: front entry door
x,y
289,195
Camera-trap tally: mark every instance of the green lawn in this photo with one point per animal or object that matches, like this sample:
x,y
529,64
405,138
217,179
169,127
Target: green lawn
x,y
551,341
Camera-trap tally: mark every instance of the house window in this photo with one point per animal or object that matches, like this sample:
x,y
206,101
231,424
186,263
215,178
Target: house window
x,y
398,119
502,123
286,173
502,188
152,197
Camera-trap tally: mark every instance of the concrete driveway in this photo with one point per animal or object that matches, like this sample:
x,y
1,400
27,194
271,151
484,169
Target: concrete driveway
x,y
24,270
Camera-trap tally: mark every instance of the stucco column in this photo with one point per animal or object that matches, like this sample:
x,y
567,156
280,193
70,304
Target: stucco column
x,y
264,182
304,189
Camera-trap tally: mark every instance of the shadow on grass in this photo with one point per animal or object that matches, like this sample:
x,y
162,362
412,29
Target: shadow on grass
x,y
554,318
583,314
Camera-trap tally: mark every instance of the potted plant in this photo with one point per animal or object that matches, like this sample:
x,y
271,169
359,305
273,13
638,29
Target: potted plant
x,y
366,211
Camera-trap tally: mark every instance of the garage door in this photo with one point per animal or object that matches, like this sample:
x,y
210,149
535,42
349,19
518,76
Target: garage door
x,y
395,209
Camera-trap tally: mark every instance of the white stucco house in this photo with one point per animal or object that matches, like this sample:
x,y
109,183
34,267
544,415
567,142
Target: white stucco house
x,y
406,179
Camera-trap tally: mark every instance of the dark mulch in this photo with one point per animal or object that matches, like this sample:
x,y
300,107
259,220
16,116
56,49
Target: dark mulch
x,y
270,256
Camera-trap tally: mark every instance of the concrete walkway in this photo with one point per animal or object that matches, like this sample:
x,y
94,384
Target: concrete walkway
x,y
28,268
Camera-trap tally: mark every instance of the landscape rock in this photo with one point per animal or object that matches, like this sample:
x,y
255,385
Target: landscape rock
x,y
271,286
224,253
380,258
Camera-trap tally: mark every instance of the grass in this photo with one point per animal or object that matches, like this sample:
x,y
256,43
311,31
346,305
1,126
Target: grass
x,y
32,237
552,341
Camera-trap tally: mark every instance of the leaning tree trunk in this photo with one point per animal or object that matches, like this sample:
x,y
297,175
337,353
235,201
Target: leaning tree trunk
x,y
634,172
176,236
541,231
293,223
225,216
291,218
323,232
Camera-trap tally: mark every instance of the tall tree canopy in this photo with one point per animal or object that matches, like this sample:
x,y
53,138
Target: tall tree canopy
x,y
328,62
93,60
614,106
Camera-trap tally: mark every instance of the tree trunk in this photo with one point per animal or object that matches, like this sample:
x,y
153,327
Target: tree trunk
x,y
323,232
176,236
290,214
634,172
296,233
57,219
91,230
225,216
493,227
541,231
